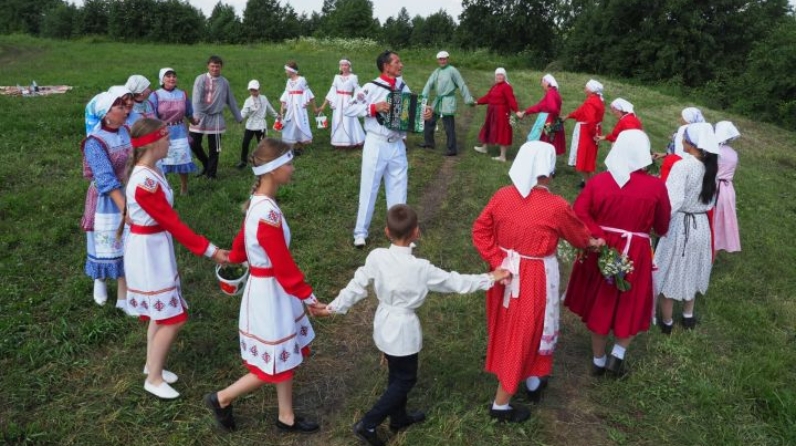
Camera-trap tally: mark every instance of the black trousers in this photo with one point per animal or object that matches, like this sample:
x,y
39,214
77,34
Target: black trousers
x,y
450,131
209,163
247,139
402,377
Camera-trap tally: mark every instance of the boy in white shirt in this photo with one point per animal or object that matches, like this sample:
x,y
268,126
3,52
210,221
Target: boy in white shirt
x,y
254,108
401,282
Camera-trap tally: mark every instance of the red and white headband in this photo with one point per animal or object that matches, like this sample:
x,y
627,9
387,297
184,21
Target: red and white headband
x,y
149,138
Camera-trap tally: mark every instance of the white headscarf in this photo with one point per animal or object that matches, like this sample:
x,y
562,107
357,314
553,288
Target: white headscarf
x,y
118,91
501,70
691,115
622,105
630,152
104,102
163,72
726,132
550,80
702,136
534,159
137,84
596,87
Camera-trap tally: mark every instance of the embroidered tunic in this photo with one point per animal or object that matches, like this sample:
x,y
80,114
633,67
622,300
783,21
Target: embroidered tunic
x,y
210,95
346,130
642,204
105,156
255,108
173,107
445,80
530,226
296,121
273,325
153,282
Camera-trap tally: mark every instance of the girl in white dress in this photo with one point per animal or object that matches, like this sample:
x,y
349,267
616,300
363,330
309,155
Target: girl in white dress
x,y
346,130
295,99
275,331
153,282
684,255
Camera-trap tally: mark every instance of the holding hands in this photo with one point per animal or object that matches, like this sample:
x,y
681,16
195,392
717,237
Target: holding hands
x,y
221,256
520,114
596,243
319,309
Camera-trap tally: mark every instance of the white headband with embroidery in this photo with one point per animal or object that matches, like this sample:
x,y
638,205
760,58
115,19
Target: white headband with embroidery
x,y
273,165
291,69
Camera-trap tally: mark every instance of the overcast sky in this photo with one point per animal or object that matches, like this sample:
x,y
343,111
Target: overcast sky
x,y
382,9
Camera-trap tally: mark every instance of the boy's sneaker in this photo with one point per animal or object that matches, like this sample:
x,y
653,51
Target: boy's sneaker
x,y
366,436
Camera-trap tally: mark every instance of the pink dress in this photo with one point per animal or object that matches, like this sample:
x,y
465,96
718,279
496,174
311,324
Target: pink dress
x,y
725,222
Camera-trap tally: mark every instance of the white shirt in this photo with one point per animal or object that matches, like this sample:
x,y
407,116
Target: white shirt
x,y
371,94
402,283
255,108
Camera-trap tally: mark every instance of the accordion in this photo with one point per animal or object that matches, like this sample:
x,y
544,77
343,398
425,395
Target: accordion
x,y
406,112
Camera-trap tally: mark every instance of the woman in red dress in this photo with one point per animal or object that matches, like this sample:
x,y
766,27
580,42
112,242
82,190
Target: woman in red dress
x,y
588,118
550,105
519,230
626,120
501,103
620,206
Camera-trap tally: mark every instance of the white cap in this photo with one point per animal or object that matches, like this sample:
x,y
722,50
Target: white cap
x,y
443,55
254,85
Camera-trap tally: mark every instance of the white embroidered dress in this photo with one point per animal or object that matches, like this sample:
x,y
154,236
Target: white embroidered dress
x,y
346,130
296,121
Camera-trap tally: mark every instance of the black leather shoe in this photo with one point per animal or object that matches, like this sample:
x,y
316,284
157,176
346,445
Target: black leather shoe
x,y
516,414
597,370
413,417
367,437
223,415
614,366
689,323
240,165
300,425
535,396
666,329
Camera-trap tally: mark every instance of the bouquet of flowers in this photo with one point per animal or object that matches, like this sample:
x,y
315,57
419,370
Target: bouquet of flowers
x,y
615,267
513,121
568,254
551,128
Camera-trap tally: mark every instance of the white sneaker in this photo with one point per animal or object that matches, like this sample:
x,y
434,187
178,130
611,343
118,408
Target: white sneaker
x,y
164,390
100,292
480,149
169,377
497,158
360,242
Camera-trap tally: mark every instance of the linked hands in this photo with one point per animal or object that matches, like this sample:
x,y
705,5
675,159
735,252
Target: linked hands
x,y
520,114
319,309
596,243
221,256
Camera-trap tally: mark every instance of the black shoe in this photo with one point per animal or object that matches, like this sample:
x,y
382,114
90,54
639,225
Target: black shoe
x,y
689,323
535,396
597,370
367,437
300,425
582,185
450,153
666,329
223,415
241,165
298,151
425,146
516,414
413,417
614,366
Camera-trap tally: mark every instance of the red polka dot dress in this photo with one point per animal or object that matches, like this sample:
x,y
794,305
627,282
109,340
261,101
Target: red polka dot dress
x,y
530,226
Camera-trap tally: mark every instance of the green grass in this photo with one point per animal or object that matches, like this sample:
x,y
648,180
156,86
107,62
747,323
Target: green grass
x,y
71,370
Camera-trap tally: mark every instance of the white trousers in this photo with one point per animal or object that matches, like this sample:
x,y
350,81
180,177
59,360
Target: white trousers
x,y
381,158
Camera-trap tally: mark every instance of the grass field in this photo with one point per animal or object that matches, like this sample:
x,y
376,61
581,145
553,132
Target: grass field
x,y
70,371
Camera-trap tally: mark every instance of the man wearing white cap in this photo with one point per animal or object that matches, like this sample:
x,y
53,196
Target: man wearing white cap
x,y
211,92
255,108
384,152
444,81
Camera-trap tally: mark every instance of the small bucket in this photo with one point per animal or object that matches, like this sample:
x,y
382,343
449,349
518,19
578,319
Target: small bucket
x,y
234,286
278,125
321,122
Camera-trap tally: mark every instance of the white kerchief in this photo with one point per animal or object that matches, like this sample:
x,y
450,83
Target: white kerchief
x,y
104,103
726,132
162,73
692,115
595,86
630,152
702,136
550,80
118,91
137,84
290,69
622,105
534,159
501,70
273,164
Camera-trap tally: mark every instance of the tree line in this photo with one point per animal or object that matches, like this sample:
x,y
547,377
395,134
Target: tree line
x,y
733,54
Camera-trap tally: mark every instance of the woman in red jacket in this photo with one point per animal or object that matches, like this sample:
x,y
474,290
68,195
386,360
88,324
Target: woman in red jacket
x,y
549,109
589,117
500,102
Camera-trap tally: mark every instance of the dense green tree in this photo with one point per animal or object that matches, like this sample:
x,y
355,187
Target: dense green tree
x,y
397,32
176,21
262,21
434,30
24,16
131,20
59,21
224,26
350,18
94,17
